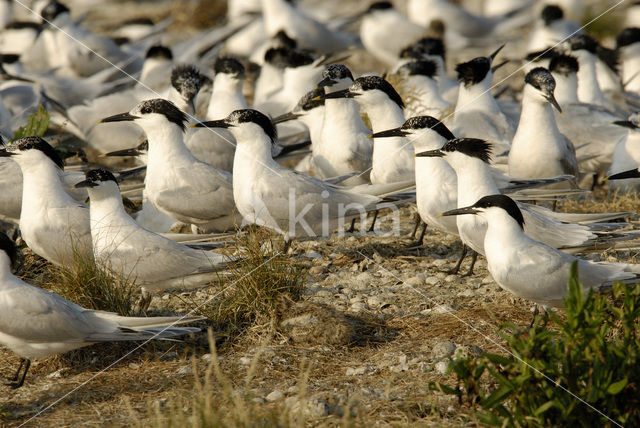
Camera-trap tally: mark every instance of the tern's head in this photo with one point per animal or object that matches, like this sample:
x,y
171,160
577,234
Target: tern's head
x,y
370,91
152,113
551,13
282,39
277,57
380,7
422,67
52,10
583,42
230,67
460,150
425,47
628,37
309,104
632,123
493,206
245,125
32,152
8,248
417,127
160,53
336,77
475,71
564,65
99,182
540,84
187,80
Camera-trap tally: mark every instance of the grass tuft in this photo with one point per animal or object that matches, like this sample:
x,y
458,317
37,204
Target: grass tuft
x,y
256,285
92,287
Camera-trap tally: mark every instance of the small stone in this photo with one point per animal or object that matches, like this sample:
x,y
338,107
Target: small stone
x,y
357,307
58,373
439,262
134,366
442,366
275,395
443,309
313,255
432,280
452,409
487,279
450,278
312,407
443,349
316,270
466,293
415,281
206,357
293,389
185,370
324,293
374,301
245,361
357,371
258,400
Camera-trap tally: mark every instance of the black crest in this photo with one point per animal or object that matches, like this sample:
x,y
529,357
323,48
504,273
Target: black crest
x,y
21,25
504,202
52,10
298,58
551,13
186,79
541,79
424,122
543,54
159,51
564,64
277,57
100,174
8,247
473,147
254,116
139,21
312,99
166,108
380,5
474,71
583,42
337,71
627,37
423,67
424,46
229,65
37,143
368,83
282,39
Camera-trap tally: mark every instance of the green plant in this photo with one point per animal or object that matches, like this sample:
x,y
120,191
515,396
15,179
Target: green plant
x,y
586,372
261,278
90,286
37,125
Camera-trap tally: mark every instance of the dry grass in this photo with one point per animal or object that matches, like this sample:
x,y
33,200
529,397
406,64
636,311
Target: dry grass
x,y
256,285
602,201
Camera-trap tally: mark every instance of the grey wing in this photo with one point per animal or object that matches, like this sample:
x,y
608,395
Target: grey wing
x,y
554,233
37,315
569,162
205,193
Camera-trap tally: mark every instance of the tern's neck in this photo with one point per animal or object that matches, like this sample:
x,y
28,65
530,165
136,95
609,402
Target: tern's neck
x,y
631,67
504,231
566,88
588,87
166,147
253,153
537,122
477,97
42,186
106,209
225,97
385,115
428,91
474,180
314,121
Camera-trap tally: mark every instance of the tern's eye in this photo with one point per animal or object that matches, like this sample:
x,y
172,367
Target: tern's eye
x,y
145,110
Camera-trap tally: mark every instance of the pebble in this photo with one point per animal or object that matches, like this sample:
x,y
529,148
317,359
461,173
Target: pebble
x,y
312,407
415,281
185,370
313,255
356,371
442,366
450,278
275,395
443,349
245,361
432,280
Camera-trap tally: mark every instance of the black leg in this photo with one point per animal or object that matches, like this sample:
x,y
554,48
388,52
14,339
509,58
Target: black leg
x,y
287,244
553,207
536,311
16,385
474,257
418,243
415,227
373,223
353,226
594,183
17,375
462,256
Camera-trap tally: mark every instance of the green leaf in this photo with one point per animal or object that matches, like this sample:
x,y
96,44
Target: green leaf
x,y
37,125
618,386
546,406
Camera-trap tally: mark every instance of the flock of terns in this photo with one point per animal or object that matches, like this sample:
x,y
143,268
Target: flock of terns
x,y
272,87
